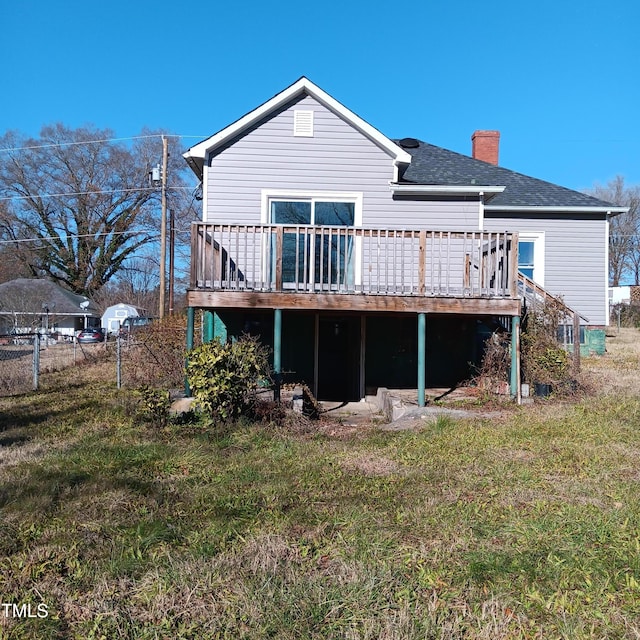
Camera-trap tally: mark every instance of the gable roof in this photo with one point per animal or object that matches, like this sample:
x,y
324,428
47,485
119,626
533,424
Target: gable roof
x,y
422,167
30,295
195,155
431,165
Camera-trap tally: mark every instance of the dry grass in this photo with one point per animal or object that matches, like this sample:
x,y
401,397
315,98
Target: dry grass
x,y
520,528
617,372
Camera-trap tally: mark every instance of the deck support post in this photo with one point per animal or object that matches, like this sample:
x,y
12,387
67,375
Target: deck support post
x,y
207,326
277,352
515,358
219,329
191,314
422,342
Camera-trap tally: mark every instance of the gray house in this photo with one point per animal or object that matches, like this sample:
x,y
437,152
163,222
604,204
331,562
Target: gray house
x,y
366,262
31,304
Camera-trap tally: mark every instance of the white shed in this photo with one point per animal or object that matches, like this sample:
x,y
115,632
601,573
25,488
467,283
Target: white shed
x,y
115,315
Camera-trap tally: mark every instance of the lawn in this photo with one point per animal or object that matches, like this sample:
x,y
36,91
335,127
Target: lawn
x,y
525,526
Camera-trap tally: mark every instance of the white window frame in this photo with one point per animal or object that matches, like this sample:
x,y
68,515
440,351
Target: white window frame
x,y
537,237
301,195
308,195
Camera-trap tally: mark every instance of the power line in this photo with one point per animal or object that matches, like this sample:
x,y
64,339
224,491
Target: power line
x,y
81,142
67,236
85,193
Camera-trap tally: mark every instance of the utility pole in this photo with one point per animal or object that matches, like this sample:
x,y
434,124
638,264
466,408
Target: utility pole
x,y
172,241
163,227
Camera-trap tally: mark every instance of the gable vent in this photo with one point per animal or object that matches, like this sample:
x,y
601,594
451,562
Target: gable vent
x,y
303,123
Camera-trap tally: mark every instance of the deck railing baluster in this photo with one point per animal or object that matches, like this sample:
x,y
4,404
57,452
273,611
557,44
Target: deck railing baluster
x,y
347,260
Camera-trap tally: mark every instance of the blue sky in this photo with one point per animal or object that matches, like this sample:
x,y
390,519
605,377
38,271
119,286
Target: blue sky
x,y
559,78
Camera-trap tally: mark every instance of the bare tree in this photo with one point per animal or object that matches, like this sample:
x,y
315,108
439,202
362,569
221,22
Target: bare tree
x,y
21,311
83,201
624,230
136,284
12,262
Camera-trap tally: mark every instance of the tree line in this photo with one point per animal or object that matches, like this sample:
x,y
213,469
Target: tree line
x,y
78,207
624,231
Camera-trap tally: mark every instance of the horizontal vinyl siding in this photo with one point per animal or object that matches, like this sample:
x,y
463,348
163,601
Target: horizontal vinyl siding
x,y
575,254
338,158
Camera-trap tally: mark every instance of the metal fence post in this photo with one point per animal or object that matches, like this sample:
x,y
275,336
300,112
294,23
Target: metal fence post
x,y
191,315
118,362
36,361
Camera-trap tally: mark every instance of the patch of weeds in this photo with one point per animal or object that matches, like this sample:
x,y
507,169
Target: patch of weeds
x,y
154,405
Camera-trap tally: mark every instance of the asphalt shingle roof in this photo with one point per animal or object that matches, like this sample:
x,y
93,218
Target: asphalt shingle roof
x,y
437,166
30,294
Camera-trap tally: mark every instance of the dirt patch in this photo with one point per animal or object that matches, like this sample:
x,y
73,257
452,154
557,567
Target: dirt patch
x,y
370,465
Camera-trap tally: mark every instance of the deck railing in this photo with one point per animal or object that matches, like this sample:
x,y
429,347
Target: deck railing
x,y
322,259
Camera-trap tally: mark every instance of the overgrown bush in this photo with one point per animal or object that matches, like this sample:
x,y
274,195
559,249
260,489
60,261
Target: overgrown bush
x,y
543,359
267,411
224,377
496,362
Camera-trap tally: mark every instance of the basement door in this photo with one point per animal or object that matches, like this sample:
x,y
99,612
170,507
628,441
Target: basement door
x,y
338,358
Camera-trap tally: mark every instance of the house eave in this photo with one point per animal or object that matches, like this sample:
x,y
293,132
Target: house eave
x,y
444,189
304,85
610,211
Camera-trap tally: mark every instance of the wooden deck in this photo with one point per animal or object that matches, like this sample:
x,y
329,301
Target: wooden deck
x,y
353,269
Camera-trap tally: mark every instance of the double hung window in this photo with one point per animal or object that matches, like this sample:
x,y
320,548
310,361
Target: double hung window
x,y
531,256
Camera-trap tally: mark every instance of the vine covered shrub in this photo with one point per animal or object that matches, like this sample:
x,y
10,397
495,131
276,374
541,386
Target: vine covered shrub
x,y
544,360
495,366
224,377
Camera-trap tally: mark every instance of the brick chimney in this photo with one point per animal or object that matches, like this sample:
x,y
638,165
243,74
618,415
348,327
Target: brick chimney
x,y
485,146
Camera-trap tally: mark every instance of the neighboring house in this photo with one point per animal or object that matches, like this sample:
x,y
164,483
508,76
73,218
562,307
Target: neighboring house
x,y
365,262
28,305
629,294
115,315
620,295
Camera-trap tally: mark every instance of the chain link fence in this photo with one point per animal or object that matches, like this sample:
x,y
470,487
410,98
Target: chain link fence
x,y
18,363
153,356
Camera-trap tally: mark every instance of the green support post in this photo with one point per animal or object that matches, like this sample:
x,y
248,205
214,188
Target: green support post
x,y
191,315
422,343
277,351
219,329
207,328
515,357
